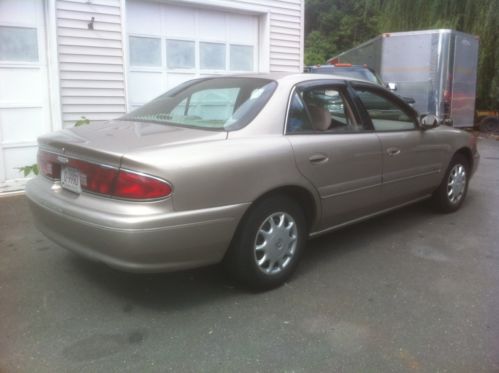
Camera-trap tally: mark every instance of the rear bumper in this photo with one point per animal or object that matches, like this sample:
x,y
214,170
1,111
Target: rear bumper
x,y
158,242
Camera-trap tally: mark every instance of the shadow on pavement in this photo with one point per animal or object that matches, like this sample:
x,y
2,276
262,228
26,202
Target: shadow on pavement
x,y
187,289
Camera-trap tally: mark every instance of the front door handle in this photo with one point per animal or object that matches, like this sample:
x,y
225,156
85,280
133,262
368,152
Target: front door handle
x,y
393,151
318,158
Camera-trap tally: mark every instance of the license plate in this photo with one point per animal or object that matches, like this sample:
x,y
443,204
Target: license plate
x,y
70,179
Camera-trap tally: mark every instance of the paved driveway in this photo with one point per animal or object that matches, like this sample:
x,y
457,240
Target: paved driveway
x,y
410,291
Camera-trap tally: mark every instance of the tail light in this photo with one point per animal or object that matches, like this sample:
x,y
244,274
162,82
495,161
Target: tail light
x,y
48,165
106,180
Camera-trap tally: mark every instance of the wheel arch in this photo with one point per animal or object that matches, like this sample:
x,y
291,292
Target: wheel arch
x,y
306,199
300,194
466,152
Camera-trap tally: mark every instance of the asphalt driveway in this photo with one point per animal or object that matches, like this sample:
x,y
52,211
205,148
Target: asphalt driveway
x,y
409,291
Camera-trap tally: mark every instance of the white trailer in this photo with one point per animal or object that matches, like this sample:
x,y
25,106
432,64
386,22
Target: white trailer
x,y
437,68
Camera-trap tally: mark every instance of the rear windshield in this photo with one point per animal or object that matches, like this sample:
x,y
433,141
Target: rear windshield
x,y
350,72
220,104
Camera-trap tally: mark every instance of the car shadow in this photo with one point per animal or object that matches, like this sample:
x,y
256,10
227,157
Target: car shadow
x,y
160,291
330,246
186,289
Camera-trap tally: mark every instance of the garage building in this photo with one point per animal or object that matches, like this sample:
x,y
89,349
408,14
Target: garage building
x,y
61,60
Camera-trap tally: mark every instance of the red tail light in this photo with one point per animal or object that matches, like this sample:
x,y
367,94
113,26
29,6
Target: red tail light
x,y
95,178
106,180
131,185
48,165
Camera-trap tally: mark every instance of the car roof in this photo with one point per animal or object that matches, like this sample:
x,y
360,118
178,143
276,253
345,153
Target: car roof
x,y
299,77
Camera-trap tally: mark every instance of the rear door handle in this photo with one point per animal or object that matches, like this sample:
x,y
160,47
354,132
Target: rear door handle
x,y
318,159
393,151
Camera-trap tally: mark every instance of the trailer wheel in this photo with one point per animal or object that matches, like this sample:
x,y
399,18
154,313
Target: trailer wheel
x,y
489,124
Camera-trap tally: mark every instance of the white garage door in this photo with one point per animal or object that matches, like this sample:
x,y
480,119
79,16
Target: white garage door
x,y
170,44
24,105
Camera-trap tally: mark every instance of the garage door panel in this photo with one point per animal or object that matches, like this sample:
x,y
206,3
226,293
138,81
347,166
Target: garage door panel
x,y
179,22
24,95
144,86
189,43
144,18
242,29
20,11
31,119
211,25
15,158
174,79
22,85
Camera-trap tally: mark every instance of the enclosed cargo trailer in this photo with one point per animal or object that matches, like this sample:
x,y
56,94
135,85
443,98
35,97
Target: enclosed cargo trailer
x,y
437,68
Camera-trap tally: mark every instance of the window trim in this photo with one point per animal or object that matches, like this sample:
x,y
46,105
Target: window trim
x,y
411,113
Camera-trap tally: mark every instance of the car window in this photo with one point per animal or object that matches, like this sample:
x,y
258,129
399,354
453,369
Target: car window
x,y
385,114
320,109
224,104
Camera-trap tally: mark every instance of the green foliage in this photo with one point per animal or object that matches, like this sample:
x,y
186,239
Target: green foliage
x,y
26,170
343,24
82,122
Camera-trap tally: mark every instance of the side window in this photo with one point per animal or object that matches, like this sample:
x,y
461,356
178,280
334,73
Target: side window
x,y
385,114
297,118
320,109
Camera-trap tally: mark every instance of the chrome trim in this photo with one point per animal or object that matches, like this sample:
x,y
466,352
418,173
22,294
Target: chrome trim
x,y
352,190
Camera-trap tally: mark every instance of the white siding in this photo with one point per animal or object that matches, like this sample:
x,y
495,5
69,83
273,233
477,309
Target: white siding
x,y
286,32
91,62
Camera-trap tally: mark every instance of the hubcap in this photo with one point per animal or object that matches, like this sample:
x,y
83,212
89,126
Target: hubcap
x,y
456,184
275,243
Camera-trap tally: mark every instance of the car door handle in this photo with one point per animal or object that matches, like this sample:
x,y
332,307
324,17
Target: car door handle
x,y
318,158
393,151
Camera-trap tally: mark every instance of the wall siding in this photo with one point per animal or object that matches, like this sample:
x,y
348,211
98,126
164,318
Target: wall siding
x,y
91,62
286,32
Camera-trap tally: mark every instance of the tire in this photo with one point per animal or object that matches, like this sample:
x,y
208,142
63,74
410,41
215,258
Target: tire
x,y
254,247
452,191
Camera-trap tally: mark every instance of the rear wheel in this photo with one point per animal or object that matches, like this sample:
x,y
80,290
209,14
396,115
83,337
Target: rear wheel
x,y
451,193
268,243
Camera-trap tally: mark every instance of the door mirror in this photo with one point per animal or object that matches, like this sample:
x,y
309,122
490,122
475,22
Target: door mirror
x,y
428,121
392,86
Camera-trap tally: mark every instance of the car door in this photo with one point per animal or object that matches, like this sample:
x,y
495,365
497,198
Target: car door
x,y
412,157
335,151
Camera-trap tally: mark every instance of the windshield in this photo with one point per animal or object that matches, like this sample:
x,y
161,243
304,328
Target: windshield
x,y
351,72
223,104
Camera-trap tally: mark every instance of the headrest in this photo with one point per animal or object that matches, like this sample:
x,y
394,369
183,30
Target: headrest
x,y
321,118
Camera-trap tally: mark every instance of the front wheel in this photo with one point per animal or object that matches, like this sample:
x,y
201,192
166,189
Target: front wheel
x,y
451,193
267,244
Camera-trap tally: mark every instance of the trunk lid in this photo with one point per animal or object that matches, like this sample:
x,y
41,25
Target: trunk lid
x,y
108,142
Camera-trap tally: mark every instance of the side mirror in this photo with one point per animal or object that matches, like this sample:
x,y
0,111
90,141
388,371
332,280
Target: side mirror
x,y
428,121
392,86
